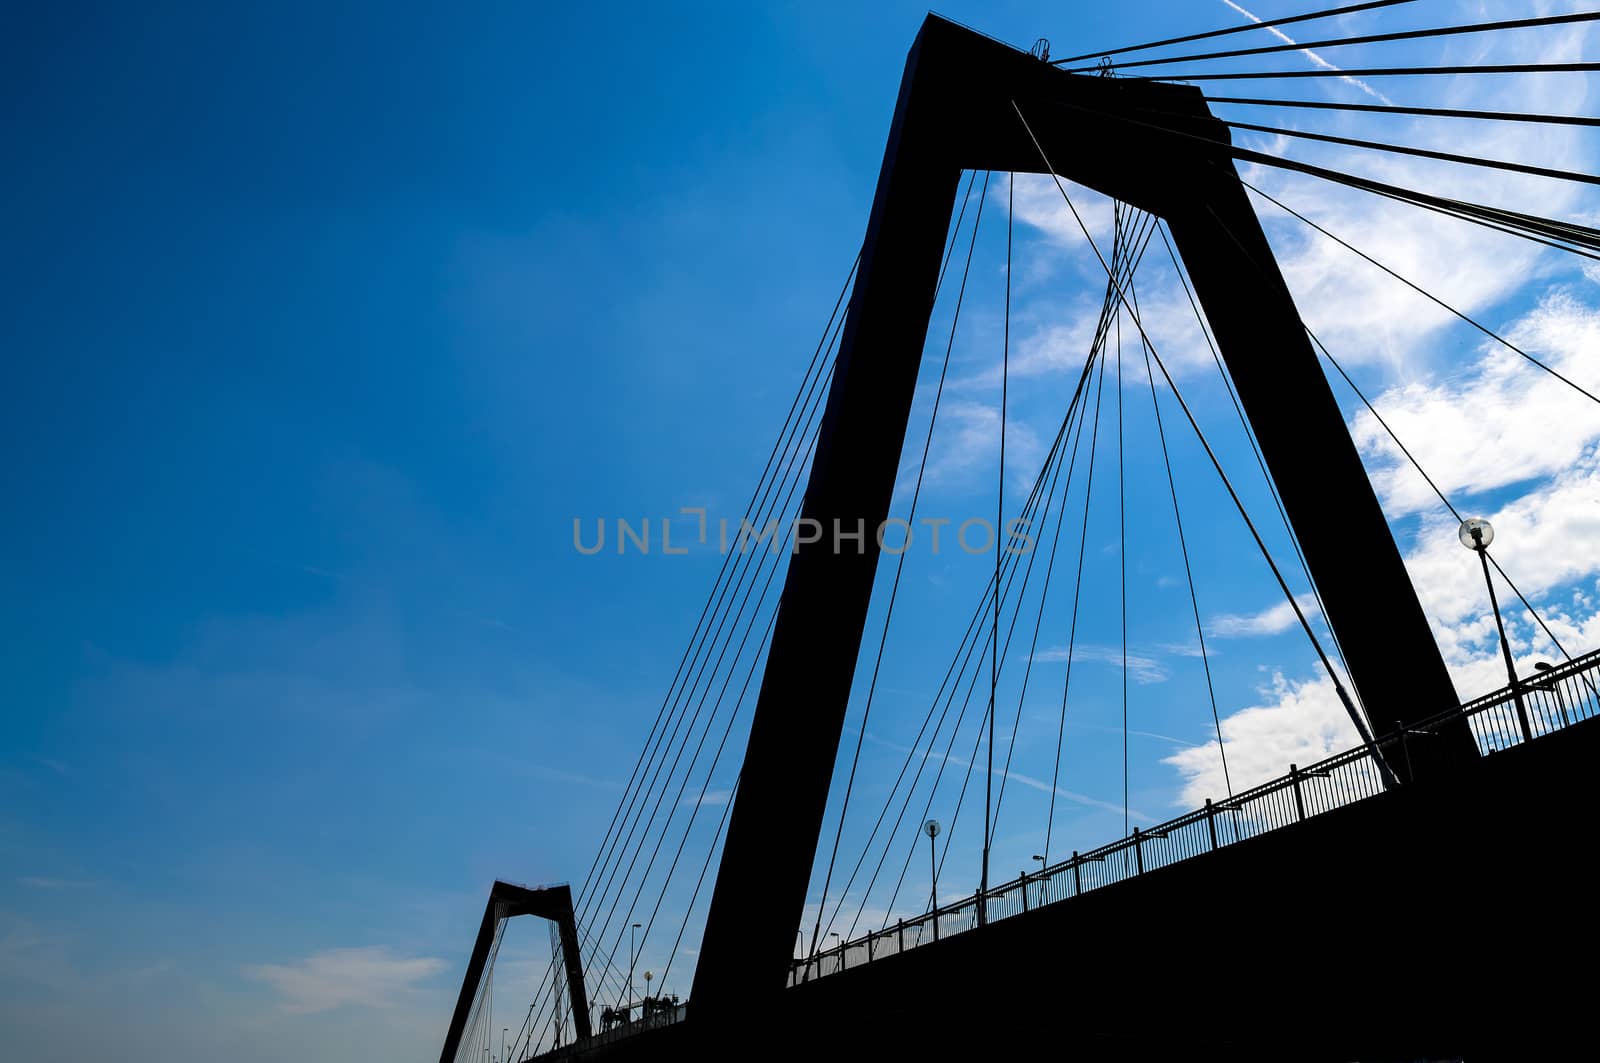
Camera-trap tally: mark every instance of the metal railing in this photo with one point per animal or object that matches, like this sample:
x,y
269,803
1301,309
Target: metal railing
x,y
654,1020
1548,701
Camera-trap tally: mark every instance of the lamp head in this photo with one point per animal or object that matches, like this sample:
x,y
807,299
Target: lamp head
x,y
931,828
1476,533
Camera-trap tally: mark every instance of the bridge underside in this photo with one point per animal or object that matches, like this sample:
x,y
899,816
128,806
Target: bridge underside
x,y
1268,949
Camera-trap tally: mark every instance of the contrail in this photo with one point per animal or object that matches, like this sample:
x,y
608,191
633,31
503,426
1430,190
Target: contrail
x,y
1025,780
1313,56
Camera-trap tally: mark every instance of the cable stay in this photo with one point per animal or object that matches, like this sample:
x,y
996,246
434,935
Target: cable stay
x,y
1183,545
1385,425
1107,310
1102,333
712,607
1349,9
1554,233
964,656
1454,512
1000,521
772,571
1005,773
1371,38
679,746
1255,447
733,574
1422,153
956,670
608,956
794,477
1356,717
1425,112
1385,71
631,807
1122,548
900,562
1424,292
970,644
1551,232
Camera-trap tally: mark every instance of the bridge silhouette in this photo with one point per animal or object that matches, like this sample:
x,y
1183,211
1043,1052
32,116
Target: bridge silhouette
x,y
1421,894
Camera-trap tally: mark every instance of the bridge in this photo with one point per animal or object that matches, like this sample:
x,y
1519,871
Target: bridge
x,y
1422,894
1564,696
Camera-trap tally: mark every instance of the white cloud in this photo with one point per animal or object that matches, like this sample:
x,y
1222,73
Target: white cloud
x,y
1297,723
372,977
967,448
712,798
1142,667
1499,421
1273,620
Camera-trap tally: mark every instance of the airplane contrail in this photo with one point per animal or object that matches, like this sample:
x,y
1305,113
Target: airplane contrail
x,y
1313,56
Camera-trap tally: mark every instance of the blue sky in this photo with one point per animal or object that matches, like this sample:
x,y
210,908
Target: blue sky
x,y
322,326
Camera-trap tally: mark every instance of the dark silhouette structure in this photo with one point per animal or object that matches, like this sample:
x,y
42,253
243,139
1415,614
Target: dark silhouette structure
x,y
968,102
507,901
1210,956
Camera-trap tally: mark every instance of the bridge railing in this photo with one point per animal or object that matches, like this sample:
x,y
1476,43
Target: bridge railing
x,y
1549,700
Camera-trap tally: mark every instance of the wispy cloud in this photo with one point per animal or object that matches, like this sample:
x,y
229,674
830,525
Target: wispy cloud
x,y
1313,56
54,765
44,882
1274,620
1142,667
373,977
711,798
1017,777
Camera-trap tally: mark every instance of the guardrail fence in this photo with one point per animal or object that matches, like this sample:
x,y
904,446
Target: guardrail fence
x,y
1553,698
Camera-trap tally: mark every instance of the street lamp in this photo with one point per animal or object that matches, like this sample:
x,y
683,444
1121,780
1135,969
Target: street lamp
x,y
631,959
1476,534
931,829
1550,685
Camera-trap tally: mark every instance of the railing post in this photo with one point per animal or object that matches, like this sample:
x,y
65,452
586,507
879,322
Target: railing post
x,y
869,946
1211,823
1299,802
1405,746
1077,875
1024,891
900,931
1138,851
934,915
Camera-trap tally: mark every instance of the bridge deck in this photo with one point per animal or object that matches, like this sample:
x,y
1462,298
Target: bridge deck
x,y
1260,948
1564,695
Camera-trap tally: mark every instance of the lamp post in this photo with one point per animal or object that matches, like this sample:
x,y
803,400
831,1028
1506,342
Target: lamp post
x,y
1476,534
931,829
1552,687
631,959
